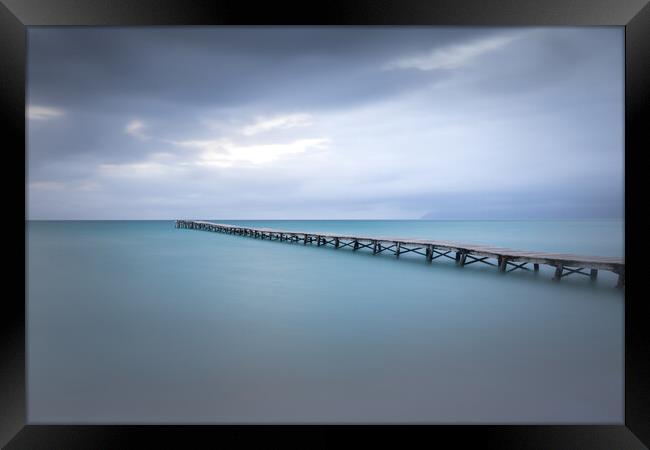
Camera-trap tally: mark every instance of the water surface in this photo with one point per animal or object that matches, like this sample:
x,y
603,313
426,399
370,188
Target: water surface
x,y
137,321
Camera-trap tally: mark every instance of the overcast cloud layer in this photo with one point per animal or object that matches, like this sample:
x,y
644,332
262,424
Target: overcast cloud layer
x,y
318,123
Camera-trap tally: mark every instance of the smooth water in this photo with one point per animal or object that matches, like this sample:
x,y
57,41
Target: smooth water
x,y
137,321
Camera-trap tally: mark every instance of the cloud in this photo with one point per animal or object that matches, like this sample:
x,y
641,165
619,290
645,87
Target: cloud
x,y
290,131
139,170
82,185
47,185
35,112
452,56
228,152
277,122
225,153
217,153
135,128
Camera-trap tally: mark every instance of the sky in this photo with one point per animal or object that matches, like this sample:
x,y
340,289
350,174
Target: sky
x,y
325,123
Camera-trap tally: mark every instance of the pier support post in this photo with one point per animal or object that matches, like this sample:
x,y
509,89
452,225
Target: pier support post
x,y
305,241
558,272
536,267
336,242
356,245
457,257
429,253
593,274
503,263
374,247
463,256
621,279
397,249
318,238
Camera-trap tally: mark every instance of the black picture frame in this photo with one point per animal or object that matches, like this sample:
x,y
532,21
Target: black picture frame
x,y
16,15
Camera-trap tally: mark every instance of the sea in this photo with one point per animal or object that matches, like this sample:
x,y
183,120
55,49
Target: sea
x,y
140,322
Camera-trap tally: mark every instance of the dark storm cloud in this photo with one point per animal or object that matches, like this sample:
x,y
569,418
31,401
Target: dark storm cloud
x,y
219,66
104,76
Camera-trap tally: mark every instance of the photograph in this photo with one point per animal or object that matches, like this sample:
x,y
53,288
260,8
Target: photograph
x,y
325,225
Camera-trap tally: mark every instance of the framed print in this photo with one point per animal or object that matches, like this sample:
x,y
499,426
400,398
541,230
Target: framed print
x,y
377,217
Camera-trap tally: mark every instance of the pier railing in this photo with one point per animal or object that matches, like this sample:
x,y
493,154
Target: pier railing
x,y
504,259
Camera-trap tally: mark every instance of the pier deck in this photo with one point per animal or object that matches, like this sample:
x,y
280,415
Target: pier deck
x,y
504,259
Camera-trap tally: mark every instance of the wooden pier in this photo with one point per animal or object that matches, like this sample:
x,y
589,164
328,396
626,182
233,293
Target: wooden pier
x,y
504,259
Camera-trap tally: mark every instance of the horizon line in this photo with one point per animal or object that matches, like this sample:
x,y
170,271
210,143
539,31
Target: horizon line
x,y
320,220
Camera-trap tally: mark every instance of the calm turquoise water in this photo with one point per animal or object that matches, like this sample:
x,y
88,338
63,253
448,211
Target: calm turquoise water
x,y
137,321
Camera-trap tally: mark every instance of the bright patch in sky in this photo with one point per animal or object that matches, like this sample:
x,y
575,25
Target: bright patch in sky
x,y
35,112
224,153
136,128
278,122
